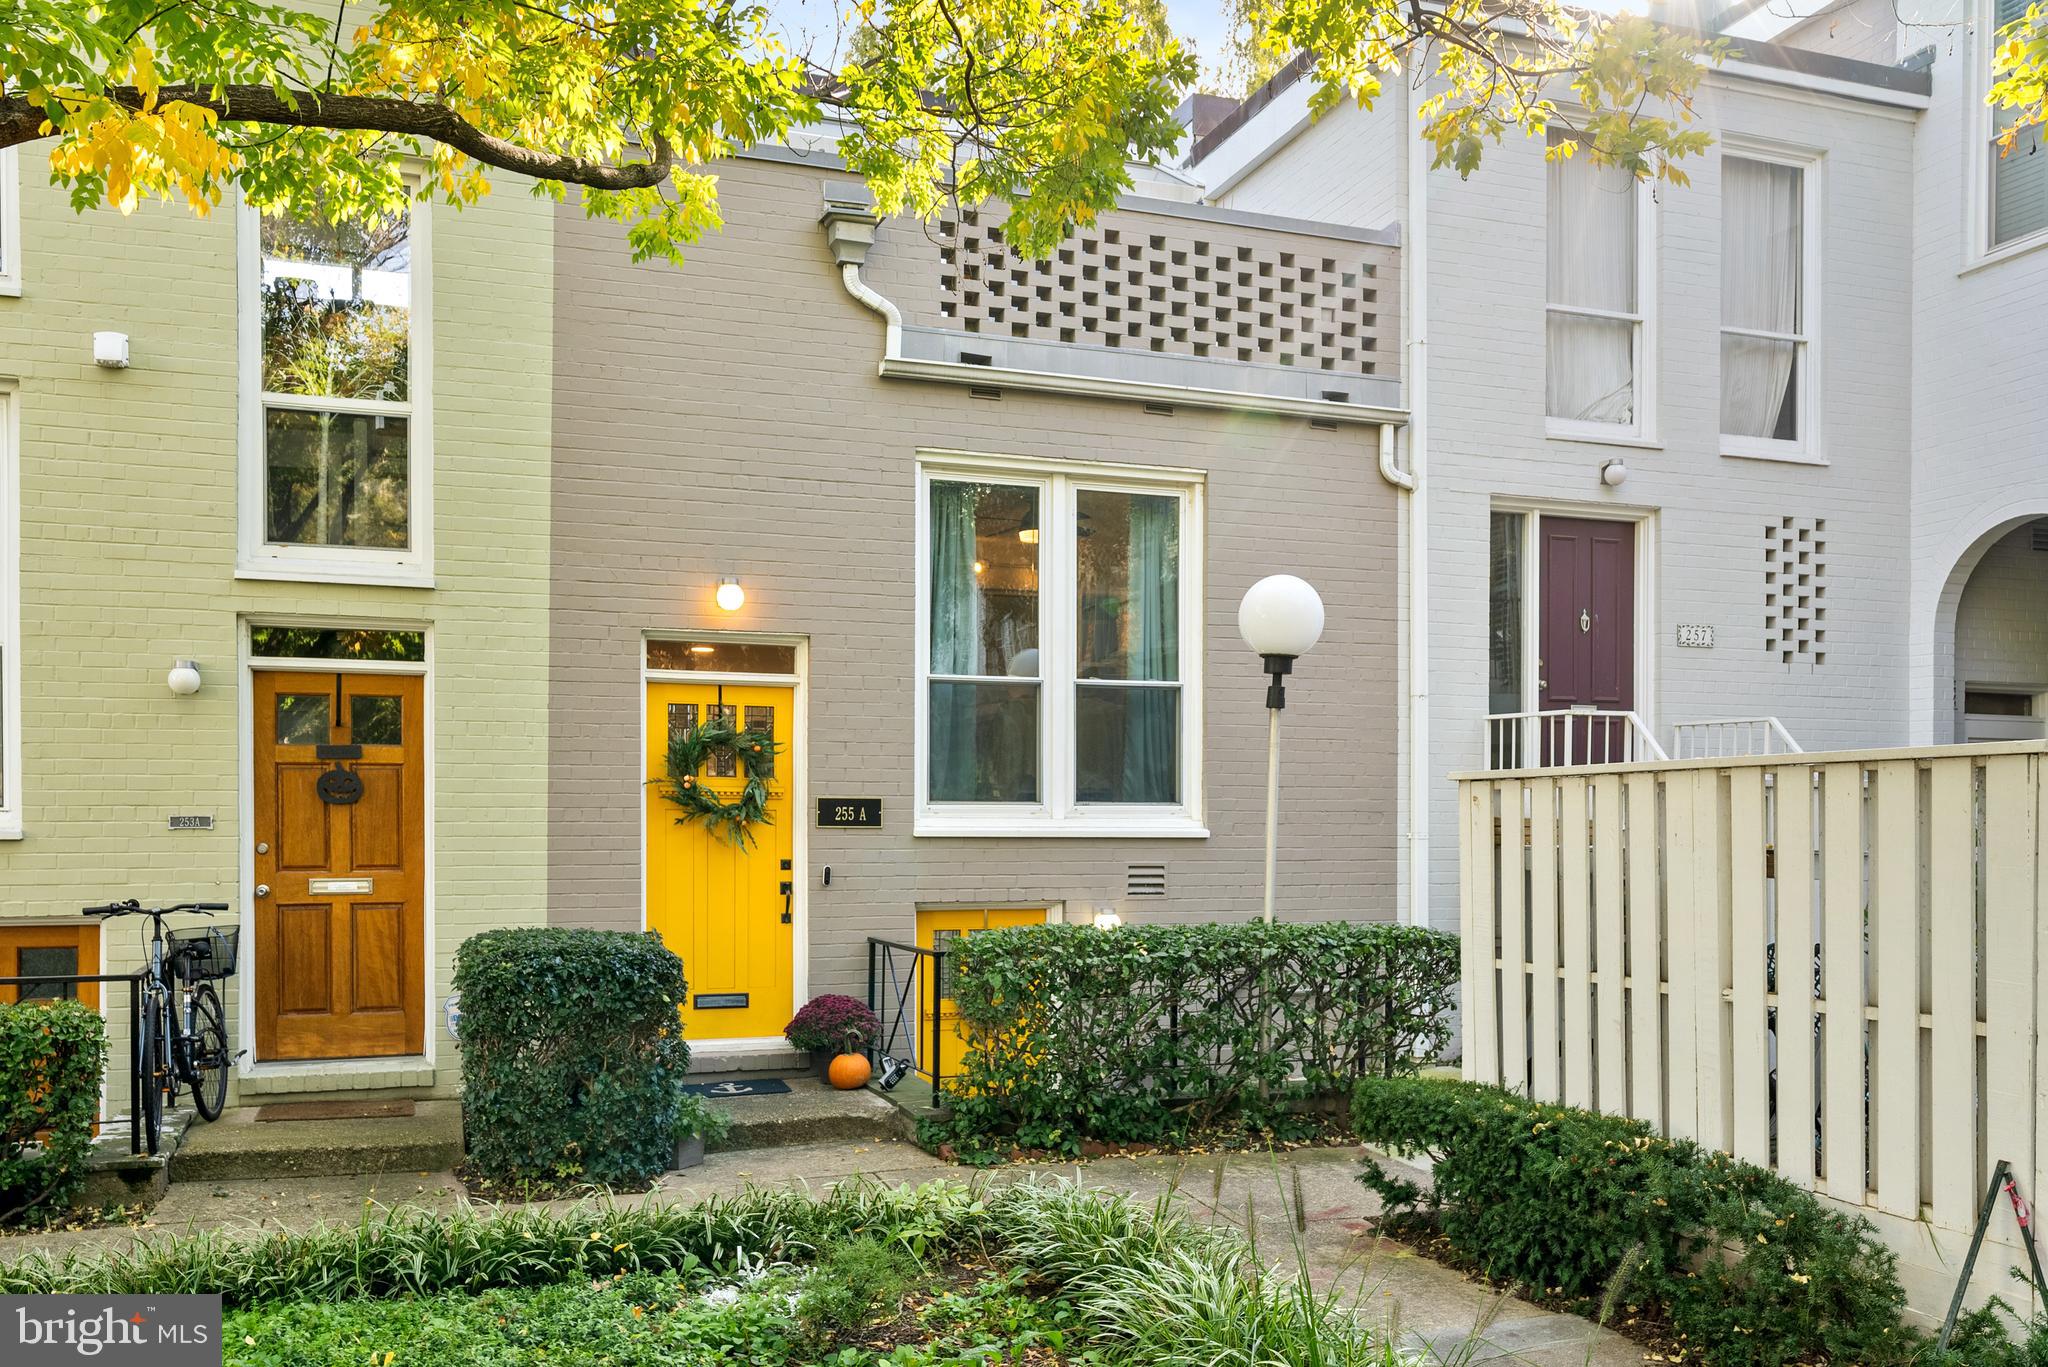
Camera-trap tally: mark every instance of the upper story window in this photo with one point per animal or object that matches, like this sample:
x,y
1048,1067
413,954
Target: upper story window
x,y
10,220
1059,663
2018,177
1767,307
1599,287
334,383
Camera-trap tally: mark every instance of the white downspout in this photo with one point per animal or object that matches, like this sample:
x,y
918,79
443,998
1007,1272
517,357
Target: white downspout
x,y
1415,315
1389,471
892,344
850,221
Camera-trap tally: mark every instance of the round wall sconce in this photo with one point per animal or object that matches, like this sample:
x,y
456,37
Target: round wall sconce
x,y
1107,919
1614,473
731,596
183,679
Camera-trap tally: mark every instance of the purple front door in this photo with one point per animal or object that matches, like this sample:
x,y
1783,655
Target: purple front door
x,y
1586,636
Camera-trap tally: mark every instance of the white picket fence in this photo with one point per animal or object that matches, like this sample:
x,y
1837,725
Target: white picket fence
x,y
1823,963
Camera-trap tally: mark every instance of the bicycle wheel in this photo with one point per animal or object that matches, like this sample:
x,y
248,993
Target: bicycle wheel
x,y
208,1051
148,1052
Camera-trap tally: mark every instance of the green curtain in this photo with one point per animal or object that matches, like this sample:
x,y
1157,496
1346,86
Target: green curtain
x,y
1152,647
956,641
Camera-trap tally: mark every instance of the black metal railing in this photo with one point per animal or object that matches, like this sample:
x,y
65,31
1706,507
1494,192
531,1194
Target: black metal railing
x,y
906,991
137,1139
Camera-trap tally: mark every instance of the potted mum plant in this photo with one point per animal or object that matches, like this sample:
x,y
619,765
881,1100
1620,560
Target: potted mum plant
x,y
837,1031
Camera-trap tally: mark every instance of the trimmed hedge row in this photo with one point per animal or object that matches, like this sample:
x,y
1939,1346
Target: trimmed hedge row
x,y
51,1057
573,1057
1748,1268
1137,1035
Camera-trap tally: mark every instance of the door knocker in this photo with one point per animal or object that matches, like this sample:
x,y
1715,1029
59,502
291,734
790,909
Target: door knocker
x,y
1585,620
339,787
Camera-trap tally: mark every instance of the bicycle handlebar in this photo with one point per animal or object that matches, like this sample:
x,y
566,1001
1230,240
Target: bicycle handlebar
x,y
132,907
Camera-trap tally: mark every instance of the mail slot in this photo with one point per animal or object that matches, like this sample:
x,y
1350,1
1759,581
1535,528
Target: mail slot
x,y
335,887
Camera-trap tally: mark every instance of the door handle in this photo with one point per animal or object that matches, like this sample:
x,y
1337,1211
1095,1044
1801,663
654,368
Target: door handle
x,y
263,889
788,893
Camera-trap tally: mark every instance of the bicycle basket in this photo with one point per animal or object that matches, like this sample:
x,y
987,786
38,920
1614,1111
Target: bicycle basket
x,y
204,954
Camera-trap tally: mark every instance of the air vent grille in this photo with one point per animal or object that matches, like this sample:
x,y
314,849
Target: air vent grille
x,y
1145,880
2041,535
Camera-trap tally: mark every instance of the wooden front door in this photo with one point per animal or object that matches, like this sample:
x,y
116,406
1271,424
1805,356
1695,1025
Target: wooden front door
x,y
1586,633
726,908
340,858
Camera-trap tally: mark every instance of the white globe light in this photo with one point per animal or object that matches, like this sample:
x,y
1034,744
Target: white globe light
x,y
1281,615
183,678
731,596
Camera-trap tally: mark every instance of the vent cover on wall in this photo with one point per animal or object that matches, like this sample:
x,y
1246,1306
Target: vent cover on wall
x,y
1145,880
2040,530
1795,589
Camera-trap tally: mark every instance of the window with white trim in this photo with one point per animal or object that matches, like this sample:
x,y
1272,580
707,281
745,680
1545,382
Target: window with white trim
x,y
10,618
1596,342
334,379
1059,652
2017,178
10,220
1767,306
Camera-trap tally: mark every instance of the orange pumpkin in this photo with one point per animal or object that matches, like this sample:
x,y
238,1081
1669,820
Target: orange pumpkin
x,y
848,1071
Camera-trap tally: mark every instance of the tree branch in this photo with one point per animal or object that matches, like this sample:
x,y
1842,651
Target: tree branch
x,y
21,121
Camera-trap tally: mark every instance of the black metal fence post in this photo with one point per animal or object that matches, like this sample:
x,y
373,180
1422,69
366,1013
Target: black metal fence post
x,y
873,1004
937,970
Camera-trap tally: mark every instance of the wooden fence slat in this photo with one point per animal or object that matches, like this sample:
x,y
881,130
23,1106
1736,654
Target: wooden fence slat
x,y
1712,1033
1544,1083
1952,945
1681,931
2011,921
1645,932
1895,925
1792,852
1514,976
1610,1007
1842,979
1749,1063
1575,918
1478,932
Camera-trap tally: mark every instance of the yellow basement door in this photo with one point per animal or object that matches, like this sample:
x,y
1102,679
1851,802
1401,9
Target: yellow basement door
x,y
724,907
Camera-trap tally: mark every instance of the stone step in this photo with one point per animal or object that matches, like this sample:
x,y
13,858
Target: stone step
x,y
239,1145
712,1058
811,1112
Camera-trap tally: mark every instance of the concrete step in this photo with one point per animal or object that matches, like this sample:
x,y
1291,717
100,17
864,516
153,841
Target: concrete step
x,y
811,1112
116,1177
239,1145
713,1058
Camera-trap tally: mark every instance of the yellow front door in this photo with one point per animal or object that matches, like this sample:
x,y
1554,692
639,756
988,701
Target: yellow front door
x,y
725,908
943,928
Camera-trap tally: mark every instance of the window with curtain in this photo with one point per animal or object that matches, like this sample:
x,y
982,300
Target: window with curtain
x,y
1056,659
2018,175
1594,320
1763,302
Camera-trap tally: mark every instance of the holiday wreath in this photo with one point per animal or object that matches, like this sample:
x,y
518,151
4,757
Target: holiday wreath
x,y
687,752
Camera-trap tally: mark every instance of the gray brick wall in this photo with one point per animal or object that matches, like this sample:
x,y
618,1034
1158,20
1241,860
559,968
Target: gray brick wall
x,y
728,419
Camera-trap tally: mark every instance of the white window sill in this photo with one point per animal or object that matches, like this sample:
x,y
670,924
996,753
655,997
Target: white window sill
x,y
957,826
1557,431
10,286
1791,455
11,828
1998,256
336,572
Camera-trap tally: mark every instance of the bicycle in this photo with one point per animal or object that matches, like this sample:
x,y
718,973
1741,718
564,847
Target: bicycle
x,y
182,1037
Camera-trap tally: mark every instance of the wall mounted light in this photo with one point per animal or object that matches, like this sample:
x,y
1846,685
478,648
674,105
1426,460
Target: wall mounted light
x,y
183,679
1107,919
1613,473
110,349
731,596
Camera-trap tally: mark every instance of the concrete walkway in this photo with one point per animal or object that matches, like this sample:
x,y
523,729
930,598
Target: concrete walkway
x,y
1431,1307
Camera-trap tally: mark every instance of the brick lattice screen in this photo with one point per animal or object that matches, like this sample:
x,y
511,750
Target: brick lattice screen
x,y
1795,589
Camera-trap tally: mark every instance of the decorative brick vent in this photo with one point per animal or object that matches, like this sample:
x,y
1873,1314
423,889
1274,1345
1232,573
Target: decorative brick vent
x,y
1145,880
1795,589
1157,284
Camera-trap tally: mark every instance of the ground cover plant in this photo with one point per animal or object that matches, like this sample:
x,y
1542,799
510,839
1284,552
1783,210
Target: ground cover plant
x,y
1164,1034
1039,1272
1718,1261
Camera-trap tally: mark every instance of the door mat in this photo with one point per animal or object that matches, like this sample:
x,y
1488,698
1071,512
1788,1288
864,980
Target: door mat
x,y
334,1110
723,1090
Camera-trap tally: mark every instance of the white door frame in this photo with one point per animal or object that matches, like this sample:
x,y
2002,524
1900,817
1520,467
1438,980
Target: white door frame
x,y
248,663
1645,650
799,788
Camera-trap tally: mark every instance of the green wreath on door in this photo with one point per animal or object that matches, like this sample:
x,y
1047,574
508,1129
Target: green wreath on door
x,y
687,752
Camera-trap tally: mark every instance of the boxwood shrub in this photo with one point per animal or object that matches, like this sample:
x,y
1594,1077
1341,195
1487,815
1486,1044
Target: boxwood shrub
x,y
1747,1267
51,1058
573,1057
1142,1033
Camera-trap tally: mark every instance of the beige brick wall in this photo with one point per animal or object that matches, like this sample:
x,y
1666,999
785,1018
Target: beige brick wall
x,y
728,419
128,523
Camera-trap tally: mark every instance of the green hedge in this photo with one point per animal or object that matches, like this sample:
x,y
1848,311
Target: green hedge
x,y
1137,1035
572,1054
1748,1267
52,1055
